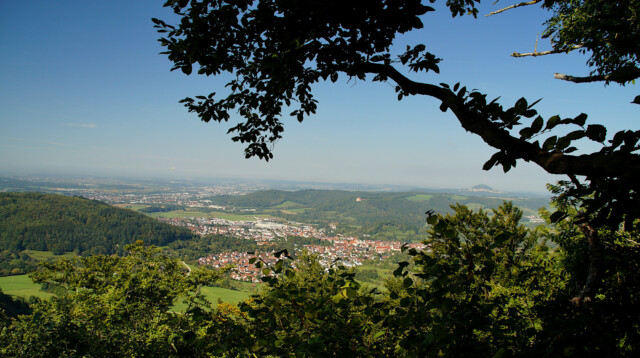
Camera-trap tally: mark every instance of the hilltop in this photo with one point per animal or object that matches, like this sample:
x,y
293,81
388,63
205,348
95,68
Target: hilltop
x,y
57,223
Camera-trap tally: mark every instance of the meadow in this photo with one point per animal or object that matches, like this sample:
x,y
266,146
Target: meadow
x,y
22,286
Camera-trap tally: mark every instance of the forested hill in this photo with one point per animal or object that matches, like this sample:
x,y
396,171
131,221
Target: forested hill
x,y
57,223
369,212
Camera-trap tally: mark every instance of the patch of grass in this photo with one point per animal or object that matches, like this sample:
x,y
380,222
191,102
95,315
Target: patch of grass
x,y
214,293
295,211
458,197
248,287
135,207
287,204
47,255
420,197
226,295
22,286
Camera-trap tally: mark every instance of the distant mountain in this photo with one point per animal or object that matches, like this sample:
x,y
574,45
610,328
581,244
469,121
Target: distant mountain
x,y
49,222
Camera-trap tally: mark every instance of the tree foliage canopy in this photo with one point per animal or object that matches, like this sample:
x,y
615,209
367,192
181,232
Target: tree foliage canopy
x,y
608,30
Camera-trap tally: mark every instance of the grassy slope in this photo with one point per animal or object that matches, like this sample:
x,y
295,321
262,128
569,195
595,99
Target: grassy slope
x,y
22,286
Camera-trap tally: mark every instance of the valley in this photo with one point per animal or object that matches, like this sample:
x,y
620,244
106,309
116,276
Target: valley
x,y
216,225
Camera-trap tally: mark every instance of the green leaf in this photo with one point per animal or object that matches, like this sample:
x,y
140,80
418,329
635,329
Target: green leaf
x,y
636,100
526,133
492,161
580,120
550,143
500,353
350,292
337,298
562,143
536,126
557,216
408,282
617,139
405,302
596,132
575,135
521,105
289,273
552,122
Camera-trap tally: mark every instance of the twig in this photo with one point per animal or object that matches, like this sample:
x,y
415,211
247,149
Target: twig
x,y
621,75
514,6
543,53
585,79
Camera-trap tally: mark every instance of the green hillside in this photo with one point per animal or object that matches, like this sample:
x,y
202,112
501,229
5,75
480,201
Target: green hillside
x,y
388,215
48,222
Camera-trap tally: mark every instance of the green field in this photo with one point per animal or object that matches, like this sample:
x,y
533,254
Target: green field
x,y
47,255
420,197
213,294
294,211
22,286
287,204
135,207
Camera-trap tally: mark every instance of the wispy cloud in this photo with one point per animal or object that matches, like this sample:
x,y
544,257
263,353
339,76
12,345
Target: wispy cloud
x,y
80,125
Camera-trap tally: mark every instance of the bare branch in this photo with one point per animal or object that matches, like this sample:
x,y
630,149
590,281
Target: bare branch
x,y
621,75
574,79
543,53
515,6
534,54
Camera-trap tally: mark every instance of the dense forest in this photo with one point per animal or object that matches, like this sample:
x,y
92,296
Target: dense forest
x,y
48,222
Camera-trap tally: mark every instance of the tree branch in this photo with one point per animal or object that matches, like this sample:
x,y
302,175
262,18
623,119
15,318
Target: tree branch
x,y
621,75
543,53
586,79
594,165
524,3
595,262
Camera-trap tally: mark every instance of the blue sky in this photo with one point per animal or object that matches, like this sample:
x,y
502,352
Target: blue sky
x,y
84,91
